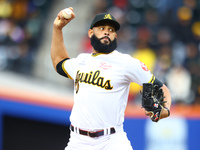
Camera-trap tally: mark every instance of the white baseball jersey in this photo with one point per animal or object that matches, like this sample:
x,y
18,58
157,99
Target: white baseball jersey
x,y
102,87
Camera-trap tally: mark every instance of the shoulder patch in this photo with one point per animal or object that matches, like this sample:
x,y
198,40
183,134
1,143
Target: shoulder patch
x,y
144,67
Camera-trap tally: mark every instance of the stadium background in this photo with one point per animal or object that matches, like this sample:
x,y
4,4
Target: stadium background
x,y
35,102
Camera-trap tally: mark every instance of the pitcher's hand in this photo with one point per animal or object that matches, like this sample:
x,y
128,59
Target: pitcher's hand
x,y
60,21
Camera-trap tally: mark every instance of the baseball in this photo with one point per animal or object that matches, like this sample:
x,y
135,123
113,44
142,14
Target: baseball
x,y
67,13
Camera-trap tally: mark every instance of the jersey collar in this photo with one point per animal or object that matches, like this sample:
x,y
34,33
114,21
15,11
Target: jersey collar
x,y
97,54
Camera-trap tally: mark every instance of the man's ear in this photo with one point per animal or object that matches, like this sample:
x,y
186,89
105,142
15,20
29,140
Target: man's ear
x,y
115,35
90,33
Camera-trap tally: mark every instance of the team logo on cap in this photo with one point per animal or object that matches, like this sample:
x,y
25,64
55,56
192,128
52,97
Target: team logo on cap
x,y
107,16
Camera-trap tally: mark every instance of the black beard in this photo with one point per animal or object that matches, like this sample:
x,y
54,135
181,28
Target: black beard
x,y
103,48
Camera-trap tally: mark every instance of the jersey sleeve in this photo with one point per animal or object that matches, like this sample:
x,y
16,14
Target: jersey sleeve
x,y
69,67
136,71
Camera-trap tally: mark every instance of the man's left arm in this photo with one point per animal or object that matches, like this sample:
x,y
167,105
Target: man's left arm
x,y
156,107
166,110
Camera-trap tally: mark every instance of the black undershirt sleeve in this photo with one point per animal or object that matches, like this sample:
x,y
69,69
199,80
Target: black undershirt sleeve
x,y
59,68
157,82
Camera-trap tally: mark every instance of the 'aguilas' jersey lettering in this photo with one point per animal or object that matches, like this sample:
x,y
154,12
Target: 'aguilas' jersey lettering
x,y
95,79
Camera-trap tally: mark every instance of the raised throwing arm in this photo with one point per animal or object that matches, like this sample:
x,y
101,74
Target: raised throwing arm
x,y
58,49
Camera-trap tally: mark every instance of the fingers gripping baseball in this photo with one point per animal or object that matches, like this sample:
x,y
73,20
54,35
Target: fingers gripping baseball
x,y
64,17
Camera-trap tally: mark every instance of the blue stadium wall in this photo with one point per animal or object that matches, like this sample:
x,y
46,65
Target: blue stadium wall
x,y
178,132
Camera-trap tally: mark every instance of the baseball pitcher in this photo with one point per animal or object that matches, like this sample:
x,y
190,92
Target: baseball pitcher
x,y
101,86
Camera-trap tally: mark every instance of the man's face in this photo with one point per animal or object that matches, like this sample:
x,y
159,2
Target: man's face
x,y
105,32
103,38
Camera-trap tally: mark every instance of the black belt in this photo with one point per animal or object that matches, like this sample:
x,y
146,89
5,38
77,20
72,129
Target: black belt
x,y
92,133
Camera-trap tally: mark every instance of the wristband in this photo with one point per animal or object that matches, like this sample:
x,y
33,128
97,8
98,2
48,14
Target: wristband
x,y
168,111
